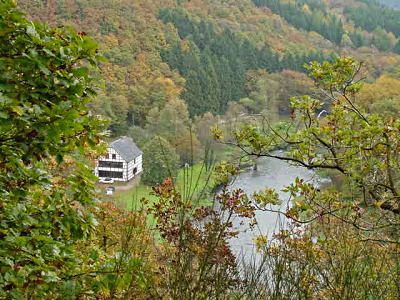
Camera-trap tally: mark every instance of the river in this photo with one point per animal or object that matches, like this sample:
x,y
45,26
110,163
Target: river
x,y
271,173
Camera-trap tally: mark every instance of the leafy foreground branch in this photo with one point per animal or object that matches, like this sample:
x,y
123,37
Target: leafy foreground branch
x,y
46,188
336,134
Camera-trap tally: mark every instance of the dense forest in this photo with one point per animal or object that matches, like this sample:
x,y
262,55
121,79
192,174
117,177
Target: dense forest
x,y
308,15
215,65
373,16
204,52
206,88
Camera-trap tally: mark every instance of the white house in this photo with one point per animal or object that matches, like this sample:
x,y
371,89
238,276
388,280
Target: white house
x,y
122,162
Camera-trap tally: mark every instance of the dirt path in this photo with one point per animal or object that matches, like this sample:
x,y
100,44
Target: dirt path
x,y
128,185
122,186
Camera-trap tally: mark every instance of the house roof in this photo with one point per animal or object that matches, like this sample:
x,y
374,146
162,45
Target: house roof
x,y
126,148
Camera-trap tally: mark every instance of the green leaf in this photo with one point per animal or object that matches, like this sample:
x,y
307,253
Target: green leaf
x,y
44,69
18,110
3,115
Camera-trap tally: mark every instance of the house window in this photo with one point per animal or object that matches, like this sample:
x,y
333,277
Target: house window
x,y
110,164
134,171
114,156
110,174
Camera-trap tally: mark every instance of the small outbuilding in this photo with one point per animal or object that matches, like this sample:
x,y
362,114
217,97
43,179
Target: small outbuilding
x,y
122,162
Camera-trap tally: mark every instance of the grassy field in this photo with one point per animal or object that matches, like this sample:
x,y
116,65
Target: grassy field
x,y
192,182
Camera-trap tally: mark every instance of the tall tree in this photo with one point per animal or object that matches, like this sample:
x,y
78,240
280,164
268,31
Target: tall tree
x,y
160,161
173,123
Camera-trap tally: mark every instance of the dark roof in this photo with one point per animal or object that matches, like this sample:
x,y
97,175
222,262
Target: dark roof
x,y
126,148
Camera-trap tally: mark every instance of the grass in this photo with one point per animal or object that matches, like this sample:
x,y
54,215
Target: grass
x,y
192,182
131,199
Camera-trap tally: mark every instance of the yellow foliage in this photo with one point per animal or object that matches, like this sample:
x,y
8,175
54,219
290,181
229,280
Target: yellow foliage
x,y
306,8
260,242
384,88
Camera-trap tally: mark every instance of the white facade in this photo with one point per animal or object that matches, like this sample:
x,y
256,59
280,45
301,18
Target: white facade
x,y
134,167
115,166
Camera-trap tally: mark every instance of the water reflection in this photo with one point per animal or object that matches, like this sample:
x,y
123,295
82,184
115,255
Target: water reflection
x,y
271,173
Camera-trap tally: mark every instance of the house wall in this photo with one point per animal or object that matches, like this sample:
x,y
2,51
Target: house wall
x,y
109,158
127,168
136,163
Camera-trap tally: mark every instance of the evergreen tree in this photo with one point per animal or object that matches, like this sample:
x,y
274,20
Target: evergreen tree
x,y
357,38
373,15
211,88
215,64
317,19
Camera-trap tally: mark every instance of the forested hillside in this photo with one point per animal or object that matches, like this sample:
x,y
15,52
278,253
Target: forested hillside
x,y
203,51
308,15
215,64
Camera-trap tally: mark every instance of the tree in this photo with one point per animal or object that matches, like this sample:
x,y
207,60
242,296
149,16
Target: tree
x,y
317,19
203,126
372,15
381,96
340,234
270,93
358,38
160,161
346,41
174,125
45,130
382,40
360,148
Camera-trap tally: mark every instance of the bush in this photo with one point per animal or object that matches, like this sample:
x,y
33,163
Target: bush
x,y
44,131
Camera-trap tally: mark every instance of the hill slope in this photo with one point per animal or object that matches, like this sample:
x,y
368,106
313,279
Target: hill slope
x,y
204,50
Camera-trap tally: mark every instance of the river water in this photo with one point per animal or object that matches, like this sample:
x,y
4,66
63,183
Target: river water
x,y
271,173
